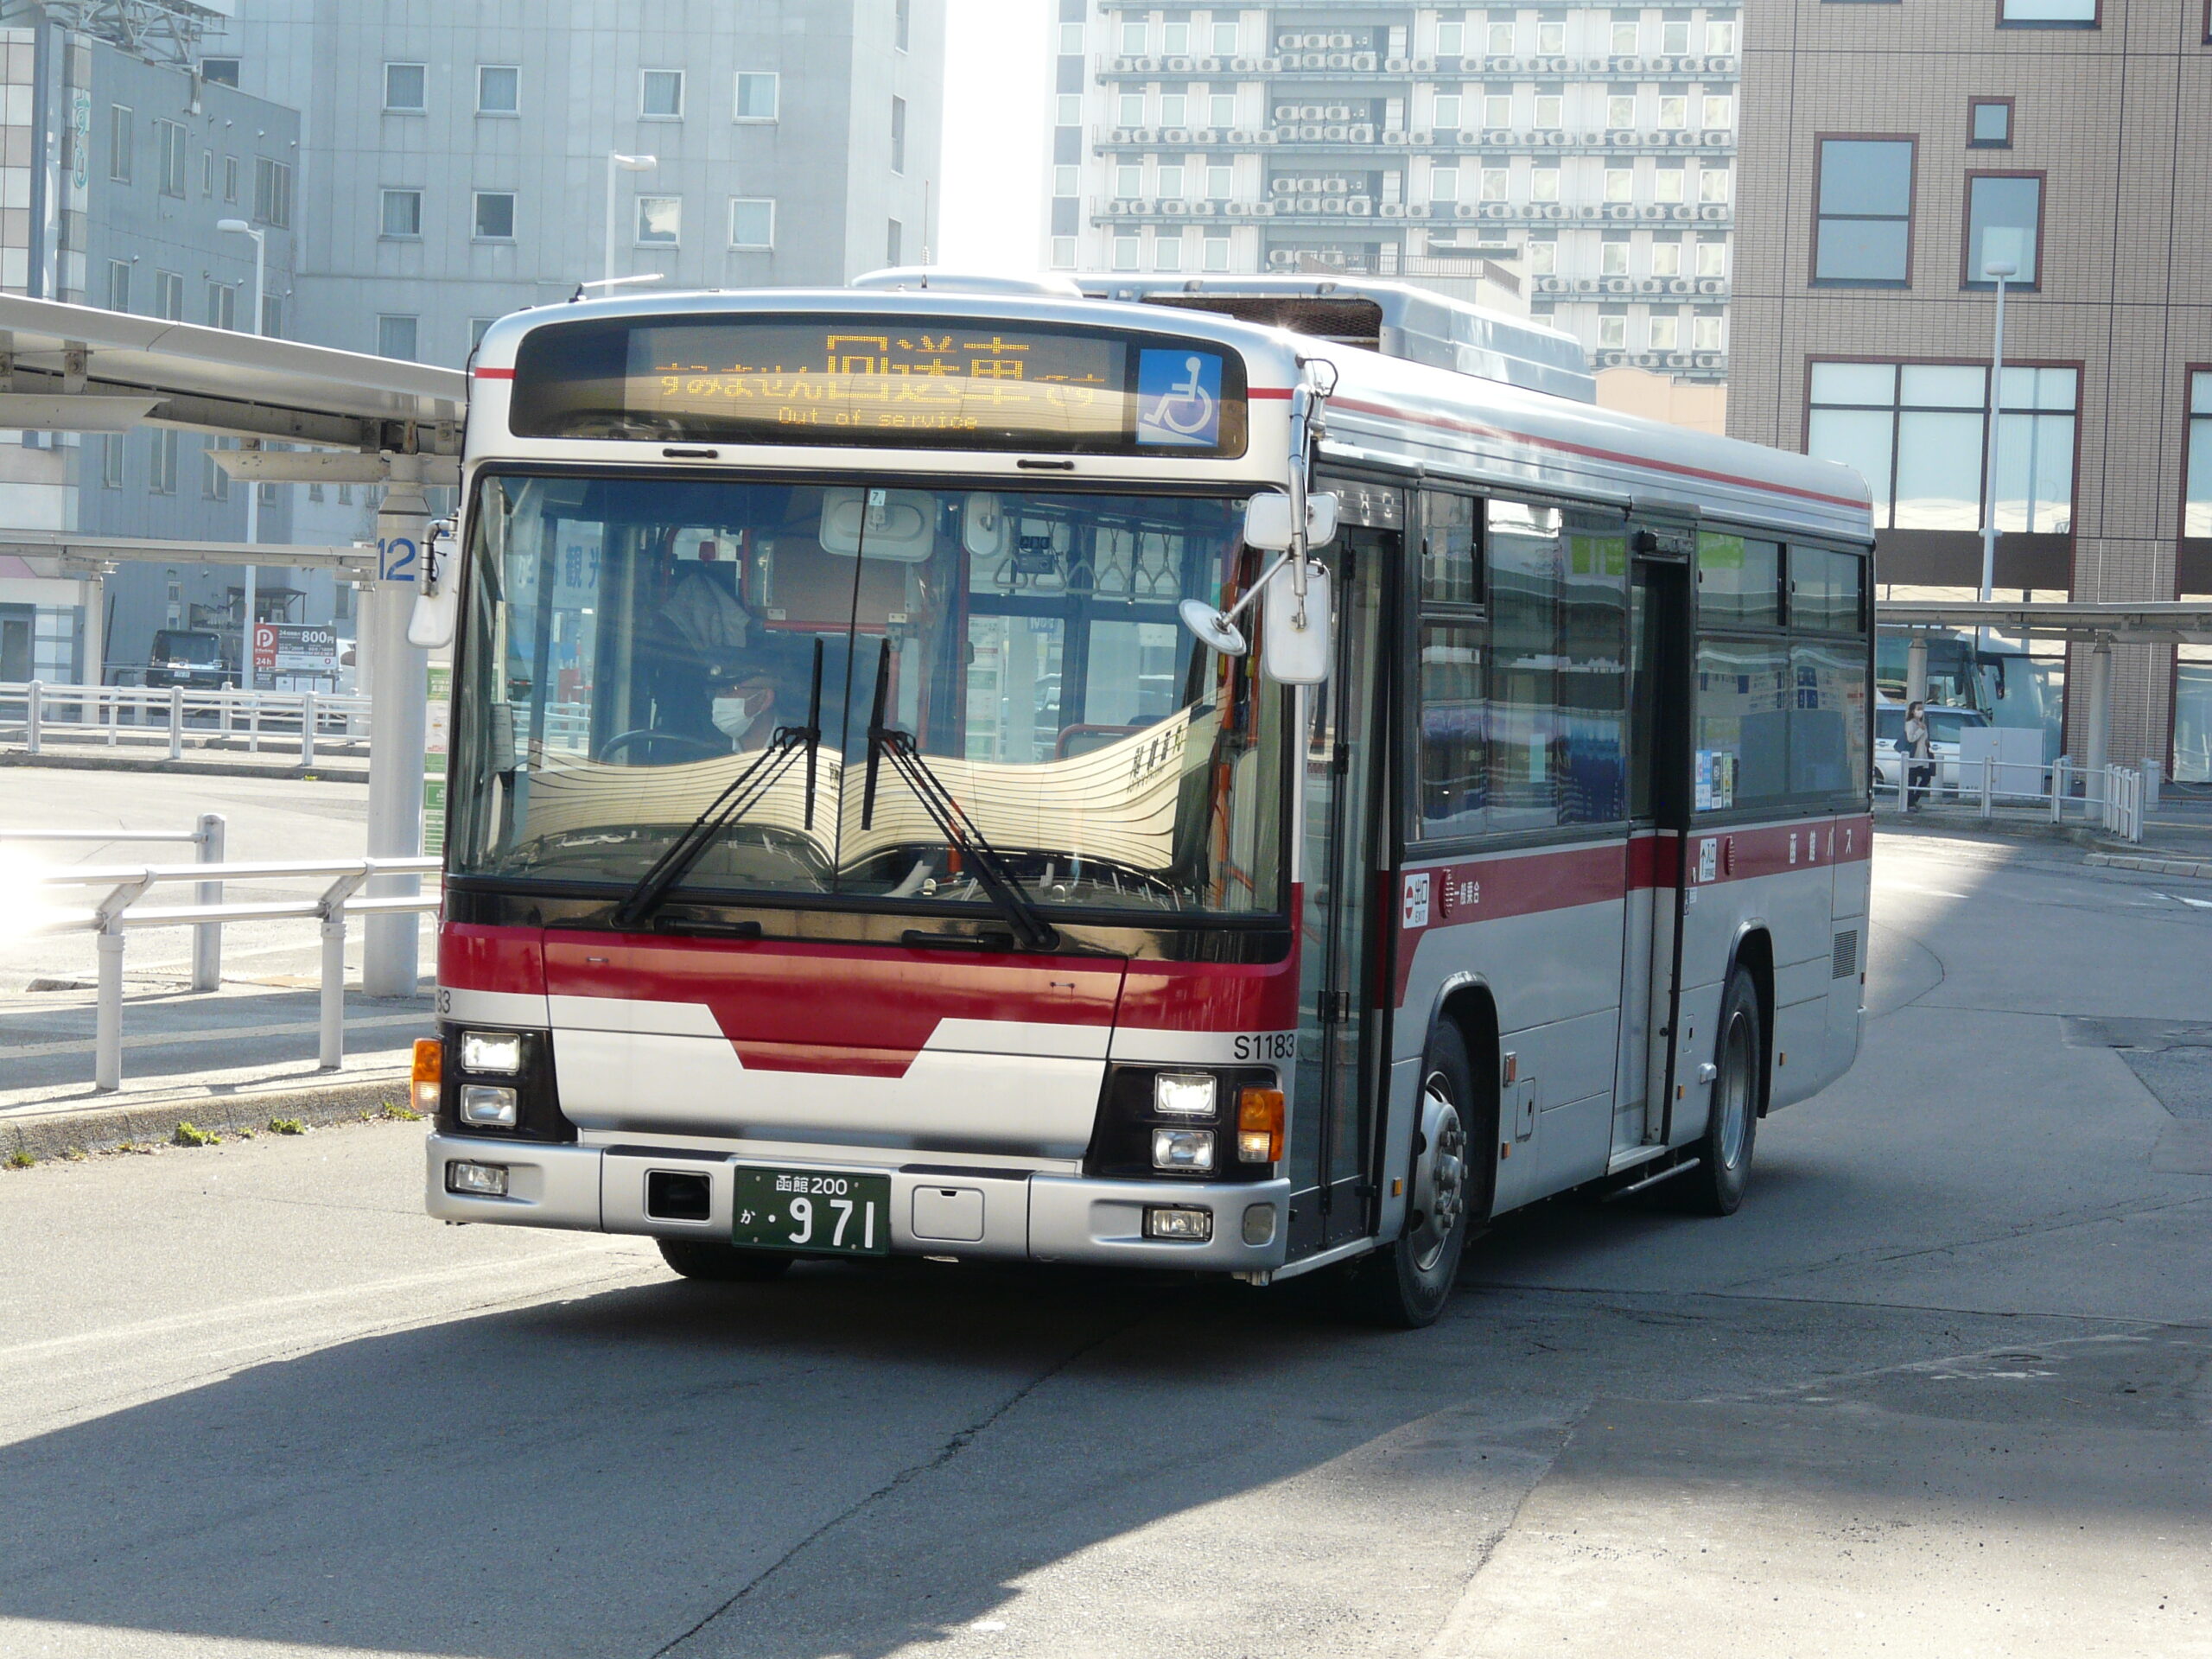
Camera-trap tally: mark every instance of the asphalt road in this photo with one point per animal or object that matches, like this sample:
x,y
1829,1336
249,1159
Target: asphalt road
x,y
1939,1388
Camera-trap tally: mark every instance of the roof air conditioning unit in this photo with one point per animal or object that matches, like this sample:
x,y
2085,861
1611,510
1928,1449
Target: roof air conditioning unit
x,y
1420,135
1716,285
1391,210
1620,210
1178,65
1209,66
1497,210
1651,285
1714,213
1176,136
1498,137
1149,66
1395,66
1586,284
1359,133
1424,66
1364,60
1467,210
1394,135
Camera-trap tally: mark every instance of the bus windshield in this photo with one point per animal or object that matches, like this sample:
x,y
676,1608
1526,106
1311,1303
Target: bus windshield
x,y
633,646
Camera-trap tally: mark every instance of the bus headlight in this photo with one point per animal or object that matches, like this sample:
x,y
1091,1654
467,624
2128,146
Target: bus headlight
x,y
487,1106
1183,1093
1182,1149
497,1052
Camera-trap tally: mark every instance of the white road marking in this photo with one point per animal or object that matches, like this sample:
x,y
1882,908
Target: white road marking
x,y
1914,887
2183,899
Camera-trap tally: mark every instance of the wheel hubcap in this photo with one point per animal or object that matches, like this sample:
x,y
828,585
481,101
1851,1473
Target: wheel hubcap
x,y
1440,1173
1732,1092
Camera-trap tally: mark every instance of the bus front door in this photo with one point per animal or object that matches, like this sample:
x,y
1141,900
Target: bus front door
x,y
1334,1089
1659,801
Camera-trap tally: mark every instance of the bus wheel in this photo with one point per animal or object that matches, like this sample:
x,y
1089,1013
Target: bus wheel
x,y
1731,1124
1406,1283
721,1264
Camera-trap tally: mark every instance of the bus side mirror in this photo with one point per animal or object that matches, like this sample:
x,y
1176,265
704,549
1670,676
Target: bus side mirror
x,y
430,623
1298,636
1267,521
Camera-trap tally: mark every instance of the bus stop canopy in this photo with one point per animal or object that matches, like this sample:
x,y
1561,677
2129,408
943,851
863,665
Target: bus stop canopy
x,y
2166,622
57,360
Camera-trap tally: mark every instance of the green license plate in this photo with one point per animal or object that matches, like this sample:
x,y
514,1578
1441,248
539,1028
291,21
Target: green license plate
x,y
820,1211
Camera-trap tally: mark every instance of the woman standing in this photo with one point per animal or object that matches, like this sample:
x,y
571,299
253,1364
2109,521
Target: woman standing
x,y
1920,764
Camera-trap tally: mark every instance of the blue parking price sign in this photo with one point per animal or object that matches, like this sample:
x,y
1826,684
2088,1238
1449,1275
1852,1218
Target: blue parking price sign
x,y
1178,398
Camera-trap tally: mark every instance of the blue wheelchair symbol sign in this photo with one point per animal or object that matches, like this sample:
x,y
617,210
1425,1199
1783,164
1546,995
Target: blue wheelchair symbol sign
x,y
1178,398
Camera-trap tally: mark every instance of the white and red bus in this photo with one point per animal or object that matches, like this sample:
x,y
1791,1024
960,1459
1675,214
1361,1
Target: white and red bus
x,y
855,848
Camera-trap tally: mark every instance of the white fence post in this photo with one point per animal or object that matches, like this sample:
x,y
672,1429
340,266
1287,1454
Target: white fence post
x,y
107,1020
208,937
331,1053
307,728
33,715
177,722
1988,785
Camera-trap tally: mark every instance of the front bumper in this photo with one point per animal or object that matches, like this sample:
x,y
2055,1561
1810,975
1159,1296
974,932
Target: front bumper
x,y
935,1209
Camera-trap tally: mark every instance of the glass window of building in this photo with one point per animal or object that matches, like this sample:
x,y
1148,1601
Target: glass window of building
x,y
2196,511
1167,253
1135,39
1708,333
1551,38
1175,40
161,475
397,336
1620,111
119,285
171,149
1712,258
1497,111
1543,184
272,193
1712,184
1551,112
1128,182
402,213
1668,184
2004,226
1451,40
1447,111
1620,184
1613,332
1501,39
660,95
1864,233
230,178
1224,40
1989,122
898,134
405,86
1174,109
1444,184
2049,13
1498,183
1674,36
1221,182
1665,332
660,221
1170,182
219,72
1131,107
1064,253
760,94
1612,257
1625,37
1666,258
1217,253
168,295
1221,110
1720,39
1673,112
499,89
1126,249
1543,257
1719,111
495,215
119,139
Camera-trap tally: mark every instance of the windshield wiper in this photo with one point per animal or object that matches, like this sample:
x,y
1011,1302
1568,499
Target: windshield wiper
x,y
952,822
745,791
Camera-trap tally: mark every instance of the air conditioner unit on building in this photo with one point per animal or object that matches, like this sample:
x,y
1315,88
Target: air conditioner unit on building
x,y
1148,66
1424,66
1303,204
1586,284
1417,210
1240,134
1391,210
1335,204
1336,112
1497,138
1175,135
1719,360
1336,187
1717,140
1588,210
1343,43
1394,135
1116,207
1613,359
1268,135
1719,285
1178,65
1175,209
1332,135
1339,60
1309,134
1125,66
1681,210
1720,67
1623,138
1283,186
1209,66
1679,359
1244,66
1359,133
1620,210
1651,210
1620,285
1660,66
1310,112
1552,284
1420,135
1121,135
1463,209
1395,66
1690,66
1360,207
1363,62
1651,285
1205,136
1497,210
1687,140
1145,136
1714,213
1263,210
1268,66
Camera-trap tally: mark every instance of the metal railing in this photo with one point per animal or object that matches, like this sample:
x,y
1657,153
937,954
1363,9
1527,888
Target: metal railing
x,y
119,909
36,710
208,937
2111,798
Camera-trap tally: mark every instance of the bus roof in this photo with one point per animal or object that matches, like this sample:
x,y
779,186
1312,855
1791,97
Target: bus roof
x,y
1384,411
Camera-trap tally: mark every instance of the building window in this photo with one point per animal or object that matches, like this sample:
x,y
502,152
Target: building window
x,y
1221,183
1551,113
660,95
1171,182
1719,113
1451,40
1175,40
1444,184
1064,253
1669,183
1126,251
1224,40
2048,14
1167,253
272,317
161,476
1666,333
476,328
272,193
404,84
1712,258
1620,184
1914,432
1067,110
1612,256
1666,258
1989,122
1129,182
758,93
207,174
902,22
1674,36
1707,333
112,453
1673,114
168,296
894,242
1497,109
1543,258
495,215
751,222
1620,111
1136,36
119,138
1501,39
399,337
1720,40
1712,184
1625,38
1496,183
2003,223
499,89
660,221
1551,39
1543,184
2196,507
1447,111
168,138
119,285
898,134
214,482
1214,255
230,178
1863,233
1613,332
402,213
222,306
1221,110
219,72
1131,105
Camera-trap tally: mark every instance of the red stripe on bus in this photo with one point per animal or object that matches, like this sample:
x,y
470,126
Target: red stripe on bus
x,y
1453,423
494,374
1268,391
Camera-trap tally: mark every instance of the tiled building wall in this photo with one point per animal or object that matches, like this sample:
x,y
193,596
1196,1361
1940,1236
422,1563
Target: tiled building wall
x,y
18,48
2111,116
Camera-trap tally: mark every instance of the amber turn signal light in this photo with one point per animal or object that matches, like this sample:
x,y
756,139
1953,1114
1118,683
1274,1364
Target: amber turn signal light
x,y
1259,1126
429,1073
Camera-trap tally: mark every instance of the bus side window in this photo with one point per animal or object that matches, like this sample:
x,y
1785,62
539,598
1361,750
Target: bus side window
x,y
1454,765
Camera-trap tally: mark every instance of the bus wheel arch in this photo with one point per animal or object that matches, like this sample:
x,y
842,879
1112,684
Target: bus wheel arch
x,y
1469,1007
1754,954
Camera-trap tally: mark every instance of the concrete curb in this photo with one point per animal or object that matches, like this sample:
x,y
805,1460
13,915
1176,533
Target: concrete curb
x,y
42,1133
202,768
2195,869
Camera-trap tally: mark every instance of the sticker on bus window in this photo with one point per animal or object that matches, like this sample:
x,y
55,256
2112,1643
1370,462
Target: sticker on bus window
x,y
1716,781
1178,398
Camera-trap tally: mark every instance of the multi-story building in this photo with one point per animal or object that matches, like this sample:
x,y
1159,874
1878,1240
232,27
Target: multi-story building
x,y
459,155
1583,154
1893,153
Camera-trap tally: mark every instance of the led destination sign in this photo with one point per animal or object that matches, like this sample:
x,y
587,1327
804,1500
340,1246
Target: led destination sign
x,y
931,382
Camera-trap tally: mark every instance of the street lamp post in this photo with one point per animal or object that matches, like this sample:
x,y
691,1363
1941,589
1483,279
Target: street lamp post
x,y
2001,270
617,163
240,227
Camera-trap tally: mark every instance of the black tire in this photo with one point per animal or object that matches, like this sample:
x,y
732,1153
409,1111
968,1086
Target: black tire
x,y
1716,1186
721,1264
1405,1284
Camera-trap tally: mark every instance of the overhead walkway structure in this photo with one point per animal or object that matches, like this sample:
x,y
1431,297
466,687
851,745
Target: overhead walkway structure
x,y
2098,627
362,419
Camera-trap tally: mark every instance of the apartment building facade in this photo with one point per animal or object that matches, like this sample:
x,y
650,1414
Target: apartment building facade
x,y
1582,155
1895,151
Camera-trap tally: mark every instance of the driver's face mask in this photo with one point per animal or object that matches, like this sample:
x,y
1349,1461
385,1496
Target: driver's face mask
x,y
732,718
